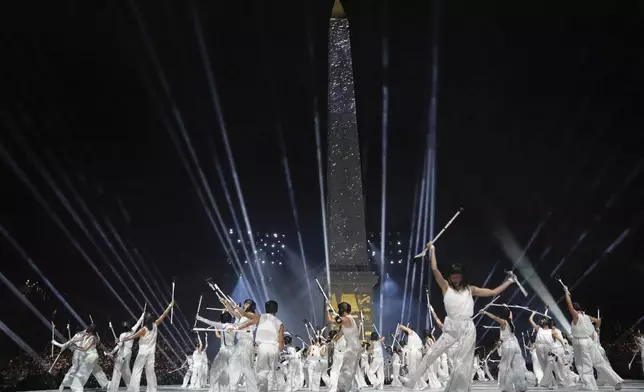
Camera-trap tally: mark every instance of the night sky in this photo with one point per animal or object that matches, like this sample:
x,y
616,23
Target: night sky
x,y
539,118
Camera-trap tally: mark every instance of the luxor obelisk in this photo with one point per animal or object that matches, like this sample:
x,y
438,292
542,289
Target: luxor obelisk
x,y
351,278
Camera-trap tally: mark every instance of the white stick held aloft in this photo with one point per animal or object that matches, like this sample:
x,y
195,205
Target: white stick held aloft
x,y
433,241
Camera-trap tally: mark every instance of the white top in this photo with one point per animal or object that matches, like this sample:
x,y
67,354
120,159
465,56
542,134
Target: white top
x,y
90,340
227,339
459,305
377,349
414,342
506,334
351,334
246,333
125,348
268,329
315,351
583,328
544,336
148,343
197,358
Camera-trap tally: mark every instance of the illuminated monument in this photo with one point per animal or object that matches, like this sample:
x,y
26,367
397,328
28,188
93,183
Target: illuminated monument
x,y
351,279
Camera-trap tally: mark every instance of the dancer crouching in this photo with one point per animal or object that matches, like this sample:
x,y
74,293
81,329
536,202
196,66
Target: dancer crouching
x,y
458,326
512,367
270,341
147,350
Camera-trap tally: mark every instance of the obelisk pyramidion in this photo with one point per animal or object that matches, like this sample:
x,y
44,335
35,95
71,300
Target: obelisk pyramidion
x,y
351,278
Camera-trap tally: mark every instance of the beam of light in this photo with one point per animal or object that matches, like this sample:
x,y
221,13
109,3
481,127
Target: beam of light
x,y
433,117
296,219
66,203
533,237
421,208
46,323
602,257
421,288
43,278
409,251
24,346
513,251
224,133
183,334
169,128
25,180
318,144
383,204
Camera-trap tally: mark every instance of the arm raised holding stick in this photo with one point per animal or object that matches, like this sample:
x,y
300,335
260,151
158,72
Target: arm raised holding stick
x,y
424,252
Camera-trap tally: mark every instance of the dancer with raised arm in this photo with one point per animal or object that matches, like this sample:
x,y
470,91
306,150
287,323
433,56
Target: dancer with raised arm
x,y
270,341
396,364
376,374
587,356
458,326
220,369
512,367
414,354
349,329
147,349
244,356
123,352
197,365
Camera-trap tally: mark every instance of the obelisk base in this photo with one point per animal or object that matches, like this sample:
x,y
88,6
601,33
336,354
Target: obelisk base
x,y
355,288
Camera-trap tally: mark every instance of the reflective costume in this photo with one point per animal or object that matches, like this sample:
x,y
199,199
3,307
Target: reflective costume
x,y
458,328
512,369
268,348
145,361
347,376
376,372
244,358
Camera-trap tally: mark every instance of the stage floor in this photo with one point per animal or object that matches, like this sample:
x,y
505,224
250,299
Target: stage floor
x,y
478,386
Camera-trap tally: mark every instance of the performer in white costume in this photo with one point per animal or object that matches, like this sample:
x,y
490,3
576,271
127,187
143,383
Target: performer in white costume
x,y
197,365
315,364
204,363
414,354
431,377
396,365
512,367
537,370
270,341
587,355
244,356
191,369
123,352
458,326
349,329
84,360
147,350
376,372
293,379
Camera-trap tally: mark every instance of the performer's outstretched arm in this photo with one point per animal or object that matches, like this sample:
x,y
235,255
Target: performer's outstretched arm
x,y
531,320
138,323
571,309
484,292
165,314
499,320
442,283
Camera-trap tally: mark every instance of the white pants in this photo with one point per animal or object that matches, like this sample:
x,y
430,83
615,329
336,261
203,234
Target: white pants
x,y
587,357
266,364
186,378
244,365
443,370
121,370
537,370
512,367
315,373
395,375
347,377
360,378
84,370
100,375
463,333
143,361
415,359
294,378
220,370
556,364
376,374
335,371
197,376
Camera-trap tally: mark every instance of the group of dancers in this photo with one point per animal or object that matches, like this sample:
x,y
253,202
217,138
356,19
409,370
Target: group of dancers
x,y
256,352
